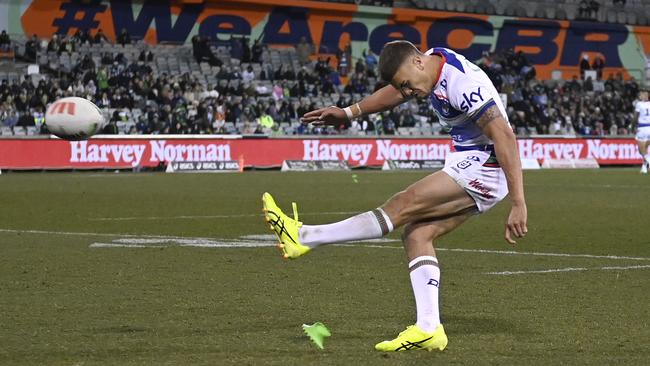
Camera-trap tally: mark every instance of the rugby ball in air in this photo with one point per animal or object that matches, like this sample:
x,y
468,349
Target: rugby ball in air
x,y
74,118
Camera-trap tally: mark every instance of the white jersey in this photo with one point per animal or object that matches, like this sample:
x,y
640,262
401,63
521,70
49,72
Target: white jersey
x,y
643,108
462,93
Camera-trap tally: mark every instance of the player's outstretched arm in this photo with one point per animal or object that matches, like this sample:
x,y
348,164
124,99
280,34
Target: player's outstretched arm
x,y
379,101
498,130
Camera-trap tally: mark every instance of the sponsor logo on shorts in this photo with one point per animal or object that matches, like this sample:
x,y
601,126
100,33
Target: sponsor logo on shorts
x,y
464,164
485,191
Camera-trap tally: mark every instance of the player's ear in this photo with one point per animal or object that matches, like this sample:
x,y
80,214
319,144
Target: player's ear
x,y
418,62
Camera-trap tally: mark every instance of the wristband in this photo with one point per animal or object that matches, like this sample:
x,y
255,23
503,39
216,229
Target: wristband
x,y
358,109
348,112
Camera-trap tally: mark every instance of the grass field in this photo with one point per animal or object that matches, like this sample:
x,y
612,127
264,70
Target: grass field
x,y
177,269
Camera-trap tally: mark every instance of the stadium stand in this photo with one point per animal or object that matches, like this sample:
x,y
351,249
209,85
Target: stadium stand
x,y
611,11
234,87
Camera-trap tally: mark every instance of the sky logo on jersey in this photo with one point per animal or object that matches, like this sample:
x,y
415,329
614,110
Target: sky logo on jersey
x,y
474,97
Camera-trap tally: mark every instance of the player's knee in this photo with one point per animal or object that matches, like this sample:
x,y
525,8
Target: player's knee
x,y
411,237
401,202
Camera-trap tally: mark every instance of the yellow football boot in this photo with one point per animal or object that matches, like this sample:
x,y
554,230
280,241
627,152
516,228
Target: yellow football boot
x,y
414,338
284,227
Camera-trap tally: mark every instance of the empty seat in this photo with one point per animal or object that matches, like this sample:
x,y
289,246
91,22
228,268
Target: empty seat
x,y
6,131
19,131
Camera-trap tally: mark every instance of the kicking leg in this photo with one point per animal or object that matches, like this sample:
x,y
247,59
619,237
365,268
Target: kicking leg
x,y
436,195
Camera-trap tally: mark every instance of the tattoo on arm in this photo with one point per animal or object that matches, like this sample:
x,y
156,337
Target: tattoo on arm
x,y
488,116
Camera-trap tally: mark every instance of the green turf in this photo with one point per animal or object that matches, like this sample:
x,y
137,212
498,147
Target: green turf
x,y
64,303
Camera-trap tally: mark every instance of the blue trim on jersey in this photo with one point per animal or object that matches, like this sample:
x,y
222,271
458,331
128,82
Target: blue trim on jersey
x,y
464,132
482,110
443,107
450,58
644,124
475,147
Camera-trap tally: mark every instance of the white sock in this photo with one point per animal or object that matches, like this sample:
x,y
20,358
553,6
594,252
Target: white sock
x,y
647,158
425,279
368,225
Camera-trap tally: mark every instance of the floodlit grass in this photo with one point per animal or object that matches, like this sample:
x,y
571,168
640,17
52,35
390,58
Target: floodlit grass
x,y
64,302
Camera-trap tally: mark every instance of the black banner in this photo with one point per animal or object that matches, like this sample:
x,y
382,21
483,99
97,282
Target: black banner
x,y
204,167
314,165
413,165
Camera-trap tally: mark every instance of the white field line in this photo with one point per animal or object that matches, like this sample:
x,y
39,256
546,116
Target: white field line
x,y
71,233
621,186
189,217
569,269
268,240
542,254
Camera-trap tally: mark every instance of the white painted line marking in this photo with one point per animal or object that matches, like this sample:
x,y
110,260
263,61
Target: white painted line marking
x,y
191,217
542,254
187,244
569,269
71,233
270,240
111,245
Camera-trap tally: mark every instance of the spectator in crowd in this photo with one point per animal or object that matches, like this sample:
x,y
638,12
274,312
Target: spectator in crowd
x,y
304,51
246,50
82,37
124,37
344,57
5,42
67,45
202,52
54,44
371,62
236,48
181,103
248,75
256,52
100,37
32,47
145,55
584,65
598,64
594,7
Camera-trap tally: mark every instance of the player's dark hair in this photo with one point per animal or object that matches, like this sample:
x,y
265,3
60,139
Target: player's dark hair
x,y
393,56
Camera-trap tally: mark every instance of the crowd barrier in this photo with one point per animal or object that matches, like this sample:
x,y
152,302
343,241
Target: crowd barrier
x,y
119,152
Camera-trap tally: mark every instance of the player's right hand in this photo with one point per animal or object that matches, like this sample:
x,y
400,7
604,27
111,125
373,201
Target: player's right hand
x,y
328,115
517,223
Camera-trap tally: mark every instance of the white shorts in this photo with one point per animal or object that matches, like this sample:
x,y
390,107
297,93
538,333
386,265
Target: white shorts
x,y
486,184
643,134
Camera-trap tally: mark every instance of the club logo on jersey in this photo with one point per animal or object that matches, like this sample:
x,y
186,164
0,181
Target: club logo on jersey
x,y
485,191
433,282
472,157
474,97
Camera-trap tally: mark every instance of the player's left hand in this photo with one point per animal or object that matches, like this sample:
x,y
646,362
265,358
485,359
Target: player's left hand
x,y
516,225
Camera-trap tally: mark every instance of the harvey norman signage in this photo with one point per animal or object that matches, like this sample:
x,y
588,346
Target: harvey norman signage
x,y
150,151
